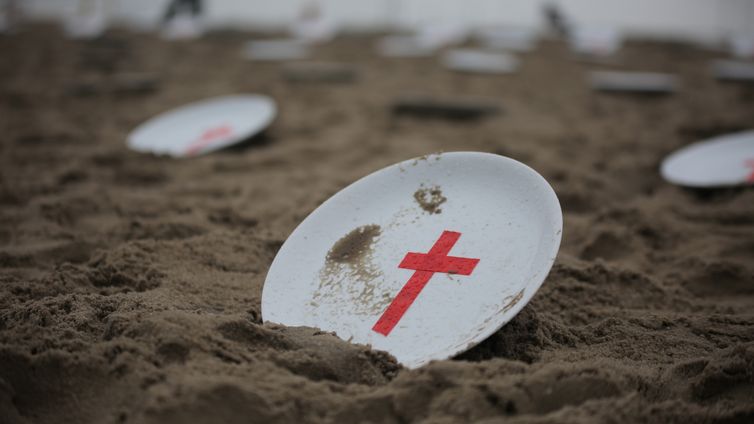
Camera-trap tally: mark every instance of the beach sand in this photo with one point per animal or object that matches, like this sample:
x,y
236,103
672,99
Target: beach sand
x,y
130,284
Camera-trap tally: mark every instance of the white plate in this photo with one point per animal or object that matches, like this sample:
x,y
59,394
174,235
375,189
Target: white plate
x,y
404,46
733,70
274,50
634,82
721,161
312,26
480,61
183,26
204,126
742,44
595,41
339,270
442,34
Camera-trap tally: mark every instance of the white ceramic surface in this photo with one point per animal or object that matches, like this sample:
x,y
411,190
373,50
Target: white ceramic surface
x,y
204,126
733,70
635,82
595,41
726,160
339,270
404,46
276,50
480,61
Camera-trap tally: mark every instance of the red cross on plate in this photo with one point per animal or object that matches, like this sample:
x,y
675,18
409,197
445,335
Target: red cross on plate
x,y
750,164
425,265
208,137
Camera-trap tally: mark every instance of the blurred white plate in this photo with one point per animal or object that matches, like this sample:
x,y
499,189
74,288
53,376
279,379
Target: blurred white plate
x,y
595,41
722,161
404,46
348,261
183,26
633,82
742,44
480,61
442,34
273,50
312,25
204,126
733,70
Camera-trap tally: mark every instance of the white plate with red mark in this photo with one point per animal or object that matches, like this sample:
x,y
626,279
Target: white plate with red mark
x,y
204,126
719,162
742,44
423,259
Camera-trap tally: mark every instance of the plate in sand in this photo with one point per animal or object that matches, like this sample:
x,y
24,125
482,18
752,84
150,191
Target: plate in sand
x,y
479,61
595,41
742,44
404,46
204,126
719,162
633,82
424,259
733,70
275,50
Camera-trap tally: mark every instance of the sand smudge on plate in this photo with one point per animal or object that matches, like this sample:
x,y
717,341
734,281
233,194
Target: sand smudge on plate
x,y
512,301
349,269
430,199
354,246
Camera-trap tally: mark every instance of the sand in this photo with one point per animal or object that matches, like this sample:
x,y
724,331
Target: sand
x,y
130,284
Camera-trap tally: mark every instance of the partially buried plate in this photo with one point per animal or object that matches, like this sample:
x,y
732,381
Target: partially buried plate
x,y
480,61
423,259
633,82
204,126
275,50
722,161
405,46
595,41
733,70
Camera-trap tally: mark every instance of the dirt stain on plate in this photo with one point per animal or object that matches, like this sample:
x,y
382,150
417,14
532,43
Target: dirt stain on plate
x,y
430,199
512,301
354,246
349,269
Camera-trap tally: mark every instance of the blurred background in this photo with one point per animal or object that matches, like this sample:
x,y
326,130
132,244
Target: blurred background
x,y
132,272
706,20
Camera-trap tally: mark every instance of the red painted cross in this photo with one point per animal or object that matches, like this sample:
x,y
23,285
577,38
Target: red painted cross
x,y
425,265
750,164
208,137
